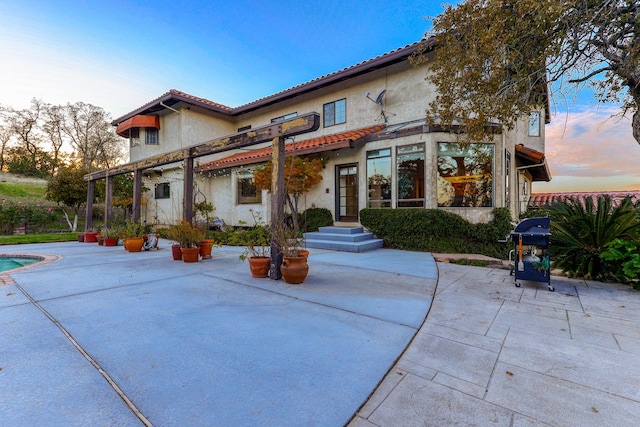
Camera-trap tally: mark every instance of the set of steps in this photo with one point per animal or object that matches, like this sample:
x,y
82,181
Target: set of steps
x,y
346,239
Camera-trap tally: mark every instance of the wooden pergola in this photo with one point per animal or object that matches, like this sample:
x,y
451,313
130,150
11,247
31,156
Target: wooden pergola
x,y
277,133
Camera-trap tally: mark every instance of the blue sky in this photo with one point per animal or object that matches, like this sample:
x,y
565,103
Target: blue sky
x,y
121,54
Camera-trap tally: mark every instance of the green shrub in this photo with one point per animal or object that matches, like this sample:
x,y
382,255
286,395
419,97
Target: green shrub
x,y
240,237
314,218
34,217
435,230
582,231
624,258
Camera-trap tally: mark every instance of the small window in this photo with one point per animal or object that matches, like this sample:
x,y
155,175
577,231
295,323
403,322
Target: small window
x,y
243,128
248,193
335,112
163,191
534,124
151,136
134,137
283,118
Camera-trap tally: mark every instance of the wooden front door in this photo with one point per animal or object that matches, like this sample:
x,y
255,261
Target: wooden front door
x,y
347,192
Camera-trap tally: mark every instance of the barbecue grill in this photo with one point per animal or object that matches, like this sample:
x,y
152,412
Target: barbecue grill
x,y
531,254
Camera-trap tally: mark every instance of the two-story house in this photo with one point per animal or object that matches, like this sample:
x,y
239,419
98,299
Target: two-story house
x,y
378,150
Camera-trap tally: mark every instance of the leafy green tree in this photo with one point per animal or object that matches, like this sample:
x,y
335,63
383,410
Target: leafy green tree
x,y
69,189
494,58
39,164
582,231
300,174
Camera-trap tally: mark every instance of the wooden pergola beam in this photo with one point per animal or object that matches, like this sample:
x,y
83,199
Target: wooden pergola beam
x,y
292,127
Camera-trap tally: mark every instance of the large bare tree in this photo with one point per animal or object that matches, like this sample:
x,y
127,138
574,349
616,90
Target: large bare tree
x,y
53,120
93,138
25,126
494,58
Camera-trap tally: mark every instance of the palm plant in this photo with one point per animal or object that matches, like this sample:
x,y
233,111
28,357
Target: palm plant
x,y
581,232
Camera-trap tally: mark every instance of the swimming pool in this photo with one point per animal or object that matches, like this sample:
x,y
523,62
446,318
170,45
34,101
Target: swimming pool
x,y
10,262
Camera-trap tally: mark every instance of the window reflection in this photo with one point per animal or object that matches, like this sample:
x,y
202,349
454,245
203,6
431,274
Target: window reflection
x,y
465,175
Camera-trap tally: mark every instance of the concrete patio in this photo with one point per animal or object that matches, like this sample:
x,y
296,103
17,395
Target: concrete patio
x,y
104,337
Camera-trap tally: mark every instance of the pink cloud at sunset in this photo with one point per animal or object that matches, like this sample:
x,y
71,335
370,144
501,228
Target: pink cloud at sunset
x,y
588,150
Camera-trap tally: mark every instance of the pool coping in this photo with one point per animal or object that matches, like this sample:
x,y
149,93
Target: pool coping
x,y
5,276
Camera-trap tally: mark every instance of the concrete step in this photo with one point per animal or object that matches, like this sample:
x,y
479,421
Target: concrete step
x,y
333,245
340,237
346,239
340,230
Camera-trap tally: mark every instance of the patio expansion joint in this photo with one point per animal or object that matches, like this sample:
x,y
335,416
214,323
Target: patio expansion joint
x,y
90,359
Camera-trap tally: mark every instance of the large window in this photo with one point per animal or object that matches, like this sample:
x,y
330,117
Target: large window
x,y
379,178
151,136
410,161
335,112
163,190
247,191
465,174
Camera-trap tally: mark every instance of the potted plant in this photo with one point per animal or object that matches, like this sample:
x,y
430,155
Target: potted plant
x,y
188,237
206,245
90,236
294,266
132,236
110,236
257,244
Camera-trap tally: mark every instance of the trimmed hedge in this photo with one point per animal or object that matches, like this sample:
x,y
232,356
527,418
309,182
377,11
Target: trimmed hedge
x,y
314,218
435,230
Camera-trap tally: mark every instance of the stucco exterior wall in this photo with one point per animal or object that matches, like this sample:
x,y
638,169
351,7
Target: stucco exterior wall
x,y
406,97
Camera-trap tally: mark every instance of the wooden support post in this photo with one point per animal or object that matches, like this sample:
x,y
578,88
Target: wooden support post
x,y
187,201
277,204
137,194
108,201
88,216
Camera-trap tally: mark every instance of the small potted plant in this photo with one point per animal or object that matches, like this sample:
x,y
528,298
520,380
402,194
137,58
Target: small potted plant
x,y
206,245
257,244
132,236
294,267
90,236
188,237
110,236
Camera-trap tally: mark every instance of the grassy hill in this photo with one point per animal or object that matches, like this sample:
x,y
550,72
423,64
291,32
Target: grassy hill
x,y
19,188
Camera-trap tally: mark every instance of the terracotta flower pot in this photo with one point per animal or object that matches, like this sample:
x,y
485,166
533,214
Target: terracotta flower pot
x,y
176,252
259,266
134,244
100,239
81,238
205,248
294,269
190,254
111,241
90,237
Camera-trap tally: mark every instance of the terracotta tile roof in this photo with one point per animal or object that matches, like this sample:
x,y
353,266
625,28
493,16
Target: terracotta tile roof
x,y
543,199
360,68
315,145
